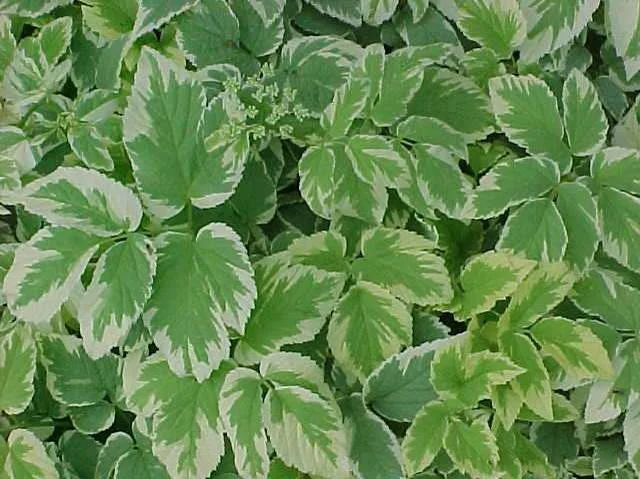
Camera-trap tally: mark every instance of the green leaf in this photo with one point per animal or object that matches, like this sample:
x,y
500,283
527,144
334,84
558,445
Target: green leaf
x,y
629,431
374,451
619,213
575,347
511,182
7,44
159,140
401,261
624,31
538,294
535,230
608,455
16,145
424,438
440,180
584,119
368,326
110,18
240,410
507,404
83,199
347,11
603,293
402,77
325,250
488,278
374,160
618,168
579,216
293,369
348,103
293,302
527,112
30,8
316,168
93,418
399,387
115,298
18,359
73,378
214,277
306,431
46,270
472,448
375,12
499,25
432,131
26,457
187,429
152,14
533,385
443,94
116,445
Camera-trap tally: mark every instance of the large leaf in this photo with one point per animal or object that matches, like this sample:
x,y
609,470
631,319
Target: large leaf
x,y
527,112
18,359
118,291
214,278
293,302
164,131
84,199
624,32
401,261
369,325
240,409
187,429
25,457
45,271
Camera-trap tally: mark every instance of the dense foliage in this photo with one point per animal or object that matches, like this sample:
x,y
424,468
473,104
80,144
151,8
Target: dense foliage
x,y
373,239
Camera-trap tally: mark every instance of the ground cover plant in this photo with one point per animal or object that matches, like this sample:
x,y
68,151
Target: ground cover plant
x,y
274,239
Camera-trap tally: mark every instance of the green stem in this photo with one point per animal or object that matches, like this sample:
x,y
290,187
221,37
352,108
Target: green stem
x,y
29,112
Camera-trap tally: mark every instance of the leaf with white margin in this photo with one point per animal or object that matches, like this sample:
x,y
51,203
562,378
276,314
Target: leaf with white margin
x,y
507,403
370,68
348,103
624,32
84,199
306,431
116,445
444,94
602,405
527,112
293,369
110,18
118,291
375,12
511,182
418,9
293,302
575,347
403,74
7,44
187,428
399,387
45,271
535,230
432,131
423,439
488,278
498,25
630,427
402,262
538,294
472,448
618,168
552,24
153,14
580,218
211,273
374,451
584,120
10,183
619,214
439,178
603,293
325,250
15,144
164,131
374,160
241,413
316,169
26,457
73,378
30,8
93,418
533,385
368,326
18,359
347,11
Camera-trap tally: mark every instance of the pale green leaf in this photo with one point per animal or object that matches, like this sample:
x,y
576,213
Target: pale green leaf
x,y
527,112
83,199
472,448
374,160
498,25
27,458
46,270
18,359
118,291
424,437
432,131
55,38
325,250
369,326
630,432
507,403
575,347
294,369
7,44
624,32
211,274
16,144
30,8
618,168
348,103
418,8
619,214
584,119
293,302
316,168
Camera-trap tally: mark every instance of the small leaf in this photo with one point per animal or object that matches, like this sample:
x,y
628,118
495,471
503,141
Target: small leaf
x,y
26,457
618,168
472,448
18,359
432,131
424,438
